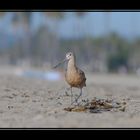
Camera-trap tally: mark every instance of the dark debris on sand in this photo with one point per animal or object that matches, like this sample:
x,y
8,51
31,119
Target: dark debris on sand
x,y
98,106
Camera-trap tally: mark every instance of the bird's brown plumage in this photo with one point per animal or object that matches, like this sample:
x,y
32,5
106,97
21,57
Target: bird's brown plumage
x,y
75,77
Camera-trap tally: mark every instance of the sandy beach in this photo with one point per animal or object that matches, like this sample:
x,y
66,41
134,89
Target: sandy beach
x,y
35,103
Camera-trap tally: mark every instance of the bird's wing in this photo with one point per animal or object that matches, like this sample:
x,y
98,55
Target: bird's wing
x,y
82,74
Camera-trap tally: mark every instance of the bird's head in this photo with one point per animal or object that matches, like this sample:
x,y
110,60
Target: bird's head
x,y
69,55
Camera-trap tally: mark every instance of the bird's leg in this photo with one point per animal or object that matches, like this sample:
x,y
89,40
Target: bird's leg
x,y
71,94
76,100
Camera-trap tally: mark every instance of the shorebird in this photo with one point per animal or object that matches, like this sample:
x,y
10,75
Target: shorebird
x,y
74,76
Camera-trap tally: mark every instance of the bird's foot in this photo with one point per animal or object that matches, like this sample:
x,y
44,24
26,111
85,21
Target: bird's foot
x,y
66,93
75,102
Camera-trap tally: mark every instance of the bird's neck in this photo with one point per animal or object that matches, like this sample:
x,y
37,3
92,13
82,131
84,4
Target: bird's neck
x,y
71,63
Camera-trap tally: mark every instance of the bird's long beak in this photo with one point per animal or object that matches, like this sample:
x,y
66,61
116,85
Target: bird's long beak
x,y
59,63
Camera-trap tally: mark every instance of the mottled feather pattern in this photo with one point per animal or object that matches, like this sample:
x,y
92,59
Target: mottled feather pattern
x,y
76,78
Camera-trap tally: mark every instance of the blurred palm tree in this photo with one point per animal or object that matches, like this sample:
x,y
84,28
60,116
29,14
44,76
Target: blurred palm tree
x,y
107,22
81,28
53,38
21,21
59,15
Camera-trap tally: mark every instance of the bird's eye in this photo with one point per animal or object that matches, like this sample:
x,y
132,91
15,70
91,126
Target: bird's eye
x,y
70,54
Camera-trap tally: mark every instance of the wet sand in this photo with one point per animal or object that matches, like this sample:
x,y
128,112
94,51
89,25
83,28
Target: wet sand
x,y
35,103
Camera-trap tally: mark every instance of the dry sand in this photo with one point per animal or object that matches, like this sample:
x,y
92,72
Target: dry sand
x,y
34,103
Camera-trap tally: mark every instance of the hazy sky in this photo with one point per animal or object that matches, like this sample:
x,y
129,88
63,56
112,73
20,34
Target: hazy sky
x,y
125,23
93,23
